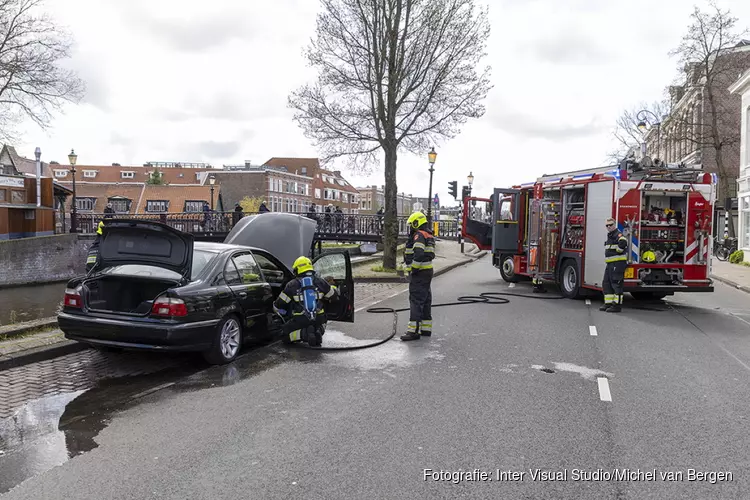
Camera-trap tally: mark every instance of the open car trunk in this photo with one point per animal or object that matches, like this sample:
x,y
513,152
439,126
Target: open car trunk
x,y
123,294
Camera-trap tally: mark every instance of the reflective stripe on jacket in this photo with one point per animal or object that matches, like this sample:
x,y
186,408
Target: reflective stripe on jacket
x,y
424,250
615,247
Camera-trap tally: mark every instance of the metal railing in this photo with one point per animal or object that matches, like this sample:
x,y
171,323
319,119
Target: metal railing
x,y
331,226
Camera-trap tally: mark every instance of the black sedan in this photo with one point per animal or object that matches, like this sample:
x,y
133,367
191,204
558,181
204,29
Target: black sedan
x,y
154,287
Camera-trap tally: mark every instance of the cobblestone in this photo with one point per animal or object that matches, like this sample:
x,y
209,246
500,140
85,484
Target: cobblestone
x,y
83,370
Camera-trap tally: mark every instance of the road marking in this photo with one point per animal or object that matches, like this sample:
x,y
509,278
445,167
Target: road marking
x,y
588,302
604,393
592,330
379,301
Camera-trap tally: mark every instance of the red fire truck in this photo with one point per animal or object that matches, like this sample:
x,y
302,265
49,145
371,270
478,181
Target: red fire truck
x,y
554,228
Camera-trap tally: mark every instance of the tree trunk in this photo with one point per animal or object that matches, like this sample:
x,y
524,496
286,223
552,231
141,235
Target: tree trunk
x,y
390,231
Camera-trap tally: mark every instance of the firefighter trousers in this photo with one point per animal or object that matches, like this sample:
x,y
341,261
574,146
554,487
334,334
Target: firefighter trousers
x,y
420,301
292,330
614,282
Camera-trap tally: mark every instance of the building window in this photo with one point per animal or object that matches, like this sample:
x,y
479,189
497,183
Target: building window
x,y
157,205
317,194
747,138
120,206
89,173
2,195
61,173
85,204
194,206
745,218
127,175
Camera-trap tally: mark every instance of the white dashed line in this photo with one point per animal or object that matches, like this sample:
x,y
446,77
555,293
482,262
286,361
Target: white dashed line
x,y
604,393
592,330
588,302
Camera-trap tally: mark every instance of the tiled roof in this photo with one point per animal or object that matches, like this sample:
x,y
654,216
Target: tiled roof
x,y
140,193
113,174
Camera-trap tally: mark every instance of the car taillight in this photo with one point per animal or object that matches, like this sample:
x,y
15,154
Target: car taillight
x,y
73,298
168,306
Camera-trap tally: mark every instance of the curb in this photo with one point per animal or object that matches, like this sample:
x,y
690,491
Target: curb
x,y
731,283
42,353
21,328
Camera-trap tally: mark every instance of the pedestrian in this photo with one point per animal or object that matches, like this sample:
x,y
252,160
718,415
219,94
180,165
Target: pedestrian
x,y
263,208
301,304
616,260
109,212
420,282
237,215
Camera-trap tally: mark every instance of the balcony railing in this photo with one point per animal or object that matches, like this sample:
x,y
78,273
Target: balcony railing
x,y
331,226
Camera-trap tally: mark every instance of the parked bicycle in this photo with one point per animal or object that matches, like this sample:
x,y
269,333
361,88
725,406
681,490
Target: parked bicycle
x,y
726,248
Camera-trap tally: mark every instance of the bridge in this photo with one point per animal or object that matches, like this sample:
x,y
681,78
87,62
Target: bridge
x,y
214,226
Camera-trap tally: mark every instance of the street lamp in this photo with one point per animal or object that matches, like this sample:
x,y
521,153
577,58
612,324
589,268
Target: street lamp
x,y
470,179
643,124
211,182
72,159
431,157
38,155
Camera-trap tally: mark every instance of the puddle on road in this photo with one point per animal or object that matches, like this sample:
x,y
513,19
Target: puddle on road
x,y
587,373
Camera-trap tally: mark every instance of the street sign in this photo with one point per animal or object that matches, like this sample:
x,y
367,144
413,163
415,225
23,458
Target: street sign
x,y
436,201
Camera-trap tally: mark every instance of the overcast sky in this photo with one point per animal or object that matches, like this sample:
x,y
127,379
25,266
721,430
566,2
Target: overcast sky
x,y
188,80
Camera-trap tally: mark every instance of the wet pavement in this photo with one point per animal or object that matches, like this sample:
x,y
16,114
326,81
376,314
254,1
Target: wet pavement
x,y
27,303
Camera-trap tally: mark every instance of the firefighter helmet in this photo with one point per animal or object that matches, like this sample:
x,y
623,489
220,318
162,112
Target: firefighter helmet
x,y
302,265
649,256
416,220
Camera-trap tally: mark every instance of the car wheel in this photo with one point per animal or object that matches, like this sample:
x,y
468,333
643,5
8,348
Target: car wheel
x,y
570,280
648,295
507,269
227,342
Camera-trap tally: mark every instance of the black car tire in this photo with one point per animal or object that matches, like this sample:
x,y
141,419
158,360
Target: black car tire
x,y
219,354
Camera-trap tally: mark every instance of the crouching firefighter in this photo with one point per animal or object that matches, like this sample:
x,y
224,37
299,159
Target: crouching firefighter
x,y
420,293
93,253
301,305
616,260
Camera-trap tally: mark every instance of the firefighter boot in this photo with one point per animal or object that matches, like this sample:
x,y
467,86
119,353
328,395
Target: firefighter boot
x,y
605,307
411,332
614,308
316,337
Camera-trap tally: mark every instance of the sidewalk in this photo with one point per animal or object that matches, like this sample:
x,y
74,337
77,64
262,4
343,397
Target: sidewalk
x,y
735,275
448,256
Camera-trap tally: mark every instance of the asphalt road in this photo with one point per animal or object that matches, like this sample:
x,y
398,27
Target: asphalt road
x,y
501,390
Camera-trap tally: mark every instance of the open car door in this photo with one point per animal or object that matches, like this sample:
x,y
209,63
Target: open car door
x,y
337,267
476,222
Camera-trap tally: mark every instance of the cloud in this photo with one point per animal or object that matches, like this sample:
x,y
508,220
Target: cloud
x,y
218,149
569,47
232,105
531,127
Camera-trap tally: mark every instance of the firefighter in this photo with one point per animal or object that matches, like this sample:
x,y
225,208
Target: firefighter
x,y
301,305
614,274
420,294
93,252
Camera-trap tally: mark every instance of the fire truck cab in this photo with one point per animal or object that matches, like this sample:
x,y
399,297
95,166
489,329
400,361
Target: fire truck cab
x,y
554,228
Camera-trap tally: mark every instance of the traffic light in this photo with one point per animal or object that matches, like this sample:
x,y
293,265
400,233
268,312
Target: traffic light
x,y
453,189
464,192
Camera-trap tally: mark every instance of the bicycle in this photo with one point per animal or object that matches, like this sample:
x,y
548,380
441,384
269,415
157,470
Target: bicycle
x,y
727,247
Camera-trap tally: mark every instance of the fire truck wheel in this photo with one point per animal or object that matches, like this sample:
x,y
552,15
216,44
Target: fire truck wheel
x,y
570,280
648,295
507,270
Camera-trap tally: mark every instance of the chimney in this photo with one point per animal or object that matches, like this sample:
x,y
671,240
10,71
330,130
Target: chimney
x,y
337,173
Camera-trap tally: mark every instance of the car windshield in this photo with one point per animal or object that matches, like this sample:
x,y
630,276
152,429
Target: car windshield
x,y
201,258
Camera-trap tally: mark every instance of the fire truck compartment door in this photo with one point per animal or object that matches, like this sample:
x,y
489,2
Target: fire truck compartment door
x,y
506,231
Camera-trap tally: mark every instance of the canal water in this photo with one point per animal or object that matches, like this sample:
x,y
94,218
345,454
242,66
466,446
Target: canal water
x,y
27,303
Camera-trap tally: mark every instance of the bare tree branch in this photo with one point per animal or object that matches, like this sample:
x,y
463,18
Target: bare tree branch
x,y
32,82
392,75
627,132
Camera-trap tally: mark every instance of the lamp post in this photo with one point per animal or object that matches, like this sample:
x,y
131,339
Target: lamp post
x,y
470,180
38,155
72,159
431,157
211,182
643,123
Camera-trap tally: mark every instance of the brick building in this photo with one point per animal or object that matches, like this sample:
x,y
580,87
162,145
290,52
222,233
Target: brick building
x,y
329,186
682,136
371,198
282,190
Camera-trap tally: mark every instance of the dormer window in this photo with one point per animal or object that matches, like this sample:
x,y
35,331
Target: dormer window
x,y
127,175
61,173
89,173
157,206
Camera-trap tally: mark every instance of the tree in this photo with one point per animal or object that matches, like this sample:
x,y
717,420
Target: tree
x,y
155,178
392,75
32,82
250,205
629,136
711,64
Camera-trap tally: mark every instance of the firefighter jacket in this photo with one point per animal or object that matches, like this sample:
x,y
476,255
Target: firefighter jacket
x,y
293,297
409,249
423,244
615,247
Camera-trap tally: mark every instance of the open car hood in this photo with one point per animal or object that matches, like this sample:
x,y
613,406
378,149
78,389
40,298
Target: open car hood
x,y
285,236
145,243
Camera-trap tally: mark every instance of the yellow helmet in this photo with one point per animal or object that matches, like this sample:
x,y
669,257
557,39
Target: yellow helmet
x,y
302,265
416,220
648,256
100,227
